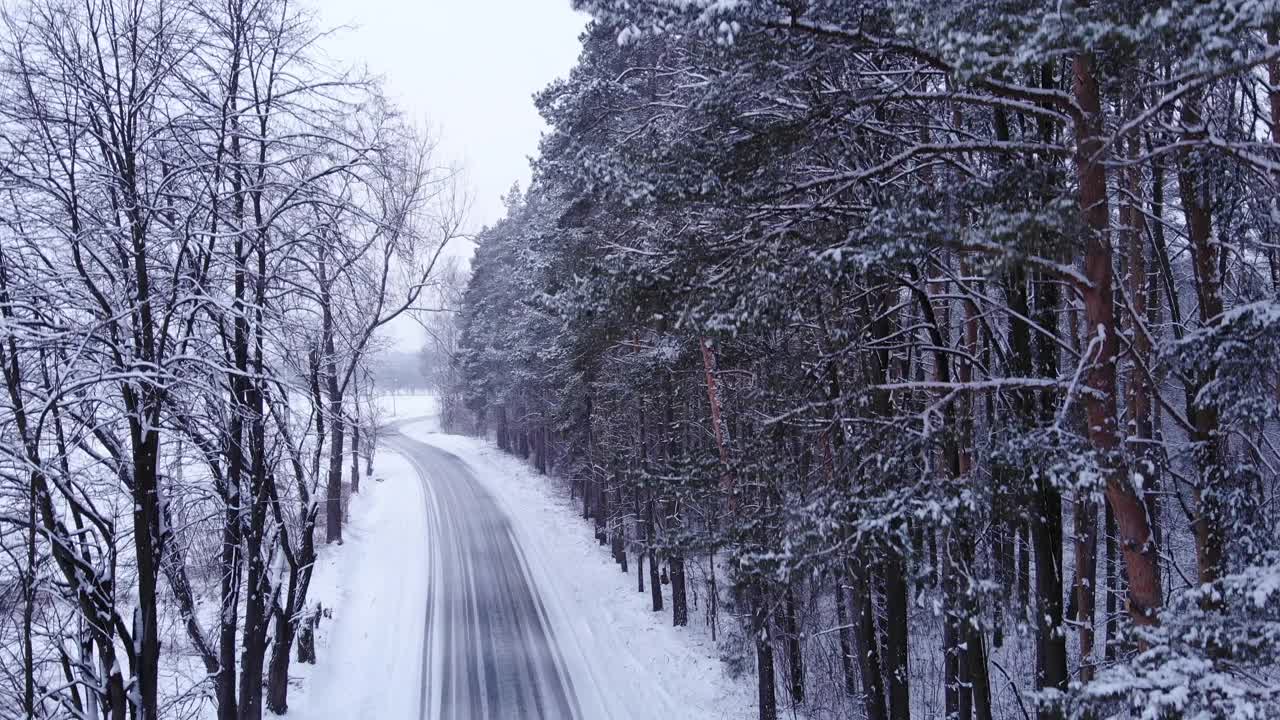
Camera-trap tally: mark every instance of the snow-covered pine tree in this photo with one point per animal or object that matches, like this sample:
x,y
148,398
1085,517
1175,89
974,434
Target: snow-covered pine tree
x,y
881,297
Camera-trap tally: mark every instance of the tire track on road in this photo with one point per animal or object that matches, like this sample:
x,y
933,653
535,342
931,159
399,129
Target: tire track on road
x,y
488,648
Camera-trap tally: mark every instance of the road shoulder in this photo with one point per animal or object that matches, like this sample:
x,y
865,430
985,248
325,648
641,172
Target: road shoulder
x,y
370,648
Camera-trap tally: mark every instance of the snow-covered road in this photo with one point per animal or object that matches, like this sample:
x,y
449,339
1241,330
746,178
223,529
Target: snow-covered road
x,y
469,588
487,637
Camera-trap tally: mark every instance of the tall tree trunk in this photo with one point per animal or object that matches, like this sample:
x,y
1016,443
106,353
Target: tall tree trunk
x,y
768,701
503,431
292,621
894,569
1196,190
957,605
29,580
1086,551
845,636
975,643
1046,520
601,510
540,445
1044,525
642,525
868,643
679,596
831,444
1142,283
329,363
1051,641
1024,568
1132,523
355,451
1111,580
795,654
617,529
675,561
640,552
897,600
334,510
258,577
955,703
655,586
281,647
149,546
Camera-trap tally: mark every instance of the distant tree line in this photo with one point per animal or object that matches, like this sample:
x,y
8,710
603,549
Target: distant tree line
x,y
203,228
944,336
438,359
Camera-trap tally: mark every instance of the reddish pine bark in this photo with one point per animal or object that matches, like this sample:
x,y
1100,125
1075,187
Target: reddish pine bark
x,y
1132,522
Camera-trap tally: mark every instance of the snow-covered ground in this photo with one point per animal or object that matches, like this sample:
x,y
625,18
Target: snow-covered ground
x,y
369,653
624,660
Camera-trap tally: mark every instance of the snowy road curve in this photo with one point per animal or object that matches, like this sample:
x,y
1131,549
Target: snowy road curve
x,y
489,651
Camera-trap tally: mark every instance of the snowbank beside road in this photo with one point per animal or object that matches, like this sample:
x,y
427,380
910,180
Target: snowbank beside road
x,y
626,661
369,653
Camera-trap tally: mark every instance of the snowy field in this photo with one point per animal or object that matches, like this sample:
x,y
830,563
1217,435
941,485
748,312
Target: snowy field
x,y
624,660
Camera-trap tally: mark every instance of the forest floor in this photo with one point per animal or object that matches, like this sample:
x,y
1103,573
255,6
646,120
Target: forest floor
x,y
623,660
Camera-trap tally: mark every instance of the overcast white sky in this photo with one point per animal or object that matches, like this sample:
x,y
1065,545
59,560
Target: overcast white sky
x,y
468,68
